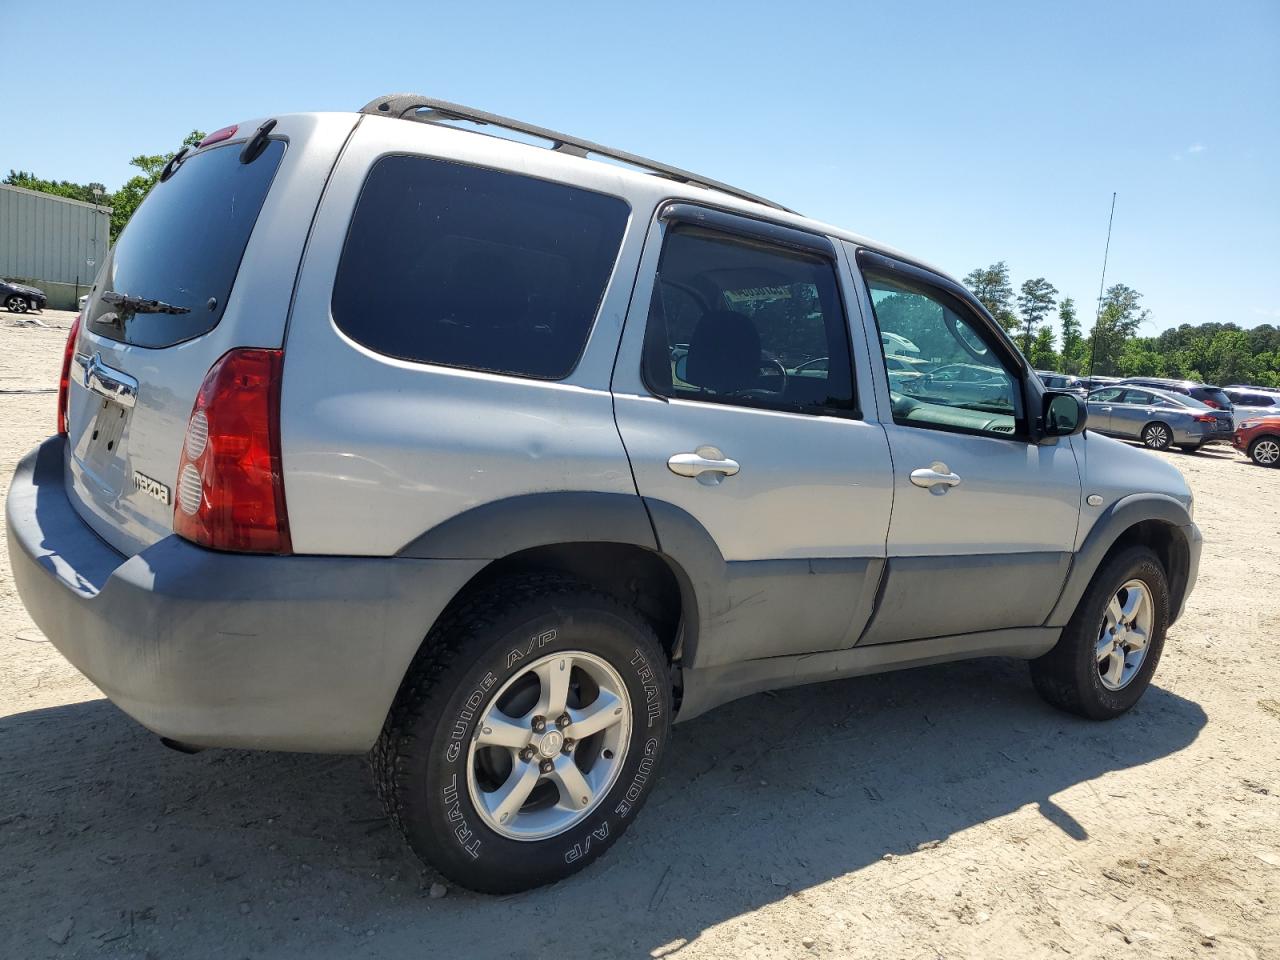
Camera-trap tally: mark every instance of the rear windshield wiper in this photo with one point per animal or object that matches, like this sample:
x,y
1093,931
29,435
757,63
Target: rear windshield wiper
x,y
140,304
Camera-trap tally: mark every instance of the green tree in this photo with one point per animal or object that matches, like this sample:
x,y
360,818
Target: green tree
x,y
992,288
1042,355
1117,322
1037,298
1075,354
59,188
126,200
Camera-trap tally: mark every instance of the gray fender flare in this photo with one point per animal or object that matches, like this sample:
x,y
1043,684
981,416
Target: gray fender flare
x,y
504,527
1122,515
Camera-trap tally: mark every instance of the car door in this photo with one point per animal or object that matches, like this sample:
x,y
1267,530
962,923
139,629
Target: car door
x,y
1101,405
984,519
1131,412
759,470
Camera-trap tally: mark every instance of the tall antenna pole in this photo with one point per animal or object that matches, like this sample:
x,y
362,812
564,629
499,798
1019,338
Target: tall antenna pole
x,y
1097,315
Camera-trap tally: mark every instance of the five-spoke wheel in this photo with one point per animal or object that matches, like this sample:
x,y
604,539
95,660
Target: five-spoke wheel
x,y
549,745
1125,634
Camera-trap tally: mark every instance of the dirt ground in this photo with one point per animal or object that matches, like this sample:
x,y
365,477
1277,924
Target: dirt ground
x,y
941,812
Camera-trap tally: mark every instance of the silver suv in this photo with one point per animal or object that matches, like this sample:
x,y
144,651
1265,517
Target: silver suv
x,y
381,434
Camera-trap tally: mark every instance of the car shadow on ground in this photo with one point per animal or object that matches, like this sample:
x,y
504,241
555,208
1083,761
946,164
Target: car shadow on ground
x,y
149,851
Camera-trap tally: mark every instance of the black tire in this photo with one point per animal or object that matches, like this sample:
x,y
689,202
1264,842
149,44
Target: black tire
x,y
1067,676
479,643
1157,436
16,304
1266,444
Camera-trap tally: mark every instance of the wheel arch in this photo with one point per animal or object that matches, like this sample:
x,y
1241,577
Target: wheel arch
x,y
607,540
1258,439
1159,522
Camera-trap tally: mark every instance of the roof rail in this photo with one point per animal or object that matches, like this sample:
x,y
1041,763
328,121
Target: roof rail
x,y
412,106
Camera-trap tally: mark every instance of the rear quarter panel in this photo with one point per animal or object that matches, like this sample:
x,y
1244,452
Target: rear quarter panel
x,y
378,450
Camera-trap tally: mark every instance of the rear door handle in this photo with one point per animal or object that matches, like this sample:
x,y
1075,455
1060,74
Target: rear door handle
x,y
706,463
936,478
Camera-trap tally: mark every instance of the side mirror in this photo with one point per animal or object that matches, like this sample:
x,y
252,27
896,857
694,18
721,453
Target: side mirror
x,y
1064,415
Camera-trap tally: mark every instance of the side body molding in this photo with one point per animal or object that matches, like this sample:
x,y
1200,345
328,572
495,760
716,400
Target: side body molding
x,y
731,611
1109,527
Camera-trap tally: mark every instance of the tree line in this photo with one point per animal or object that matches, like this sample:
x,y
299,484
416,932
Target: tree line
x,y
1212,352
123,201
1218,353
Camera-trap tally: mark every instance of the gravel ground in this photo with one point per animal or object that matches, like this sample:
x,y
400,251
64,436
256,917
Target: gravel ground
x,y
941,812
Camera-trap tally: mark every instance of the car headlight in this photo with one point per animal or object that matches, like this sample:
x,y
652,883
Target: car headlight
x,y
1249,424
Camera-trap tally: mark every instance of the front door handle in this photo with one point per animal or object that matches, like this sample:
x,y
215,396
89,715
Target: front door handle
x,y
1106,409
936,478
706,464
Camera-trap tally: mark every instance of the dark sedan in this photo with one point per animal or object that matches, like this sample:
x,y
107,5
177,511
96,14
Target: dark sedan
x,y
19,298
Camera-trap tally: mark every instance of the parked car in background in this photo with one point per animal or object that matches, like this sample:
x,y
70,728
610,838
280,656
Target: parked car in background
x,y
1061,381
1158,418
1248,403
1093,383
1259,440
19,298
961,383
1205,393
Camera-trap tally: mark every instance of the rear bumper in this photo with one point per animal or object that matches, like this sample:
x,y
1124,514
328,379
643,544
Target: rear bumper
x,y
219,649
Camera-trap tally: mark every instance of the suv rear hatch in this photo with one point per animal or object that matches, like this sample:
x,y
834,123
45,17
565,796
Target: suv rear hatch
x,y
205,265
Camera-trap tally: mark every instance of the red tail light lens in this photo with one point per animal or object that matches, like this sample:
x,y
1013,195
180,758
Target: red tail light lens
x,y
230,485
1212,403
1206,418
64,381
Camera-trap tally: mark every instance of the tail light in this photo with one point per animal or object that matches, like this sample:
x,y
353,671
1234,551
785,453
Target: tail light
x,y
64,381
230,485
1212,403
1206,418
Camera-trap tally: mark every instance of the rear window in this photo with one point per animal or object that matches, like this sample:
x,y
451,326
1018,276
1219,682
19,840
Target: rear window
x,y
1210,395
183,247
468,267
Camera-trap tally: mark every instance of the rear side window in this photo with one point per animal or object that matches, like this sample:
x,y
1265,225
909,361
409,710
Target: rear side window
x,y
183,248
468,267
744,322
1210,395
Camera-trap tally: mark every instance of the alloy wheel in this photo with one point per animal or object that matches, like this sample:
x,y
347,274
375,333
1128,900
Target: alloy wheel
x,y
1267,452
1125,635
1156,436
549,746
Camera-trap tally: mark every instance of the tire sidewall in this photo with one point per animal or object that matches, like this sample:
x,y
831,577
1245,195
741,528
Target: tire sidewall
x,y
1253,447
1168,434
449,825
1137,564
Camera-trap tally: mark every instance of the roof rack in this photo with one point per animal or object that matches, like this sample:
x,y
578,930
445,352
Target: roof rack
x,y
412,106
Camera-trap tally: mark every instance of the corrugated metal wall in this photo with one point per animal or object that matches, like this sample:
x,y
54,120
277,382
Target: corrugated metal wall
x,y
43,237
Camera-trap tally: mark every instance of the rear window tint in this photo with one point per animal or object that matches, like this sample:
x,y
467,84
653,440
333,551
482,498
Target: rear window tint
x,y
183,246
1210,395
468,267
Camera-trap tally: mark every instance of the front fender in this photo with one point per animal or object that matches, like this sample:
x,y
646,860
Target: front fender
x,y
1122,516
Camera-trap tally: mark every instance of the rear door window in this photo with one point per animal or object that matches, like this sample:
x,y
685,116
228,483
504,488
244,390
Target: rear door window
x,y
745,322
183,248
468,267
1210,395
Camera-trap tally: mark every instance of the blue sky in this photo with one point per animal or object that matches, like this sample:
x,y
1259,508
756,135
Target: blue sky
x,y
963,133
